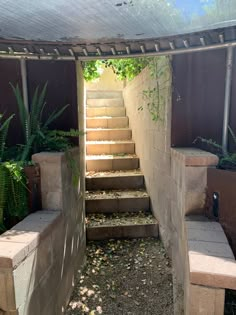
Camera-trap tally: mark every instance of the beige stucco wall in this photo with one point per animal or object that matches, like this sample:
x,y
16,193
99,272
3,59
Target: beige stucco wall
x,y
107,81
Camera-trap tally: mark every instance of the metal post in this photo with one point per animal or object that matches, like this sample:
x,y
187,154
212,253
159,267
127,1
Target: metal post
x,y
228,84
24,82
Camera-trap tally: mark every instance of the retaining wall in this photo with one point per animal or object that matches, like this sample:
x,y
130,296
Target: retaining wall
x,y
176,179
40,256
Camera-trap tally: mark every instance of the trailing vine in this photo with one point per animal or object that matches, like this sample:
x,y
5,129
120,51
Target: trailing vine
x,y
154,96
159,71
127,68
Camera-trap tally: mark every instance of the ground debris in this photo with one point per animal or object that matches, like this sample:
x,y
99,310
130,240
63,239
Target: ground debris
x,y
124,277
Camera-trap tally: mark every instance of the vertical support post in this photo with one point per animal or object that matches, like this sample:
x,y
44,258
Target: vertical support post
x,y
24,82
228,84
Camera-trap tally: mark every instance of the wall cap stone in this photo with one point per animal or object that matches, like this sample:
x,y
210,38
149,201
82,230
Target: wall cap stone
x,y
18,242
211,260
194,157
53,157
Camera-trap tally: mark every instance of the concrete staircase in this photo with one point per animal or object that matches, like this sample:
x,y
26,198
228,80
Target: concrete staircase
x,y
117,204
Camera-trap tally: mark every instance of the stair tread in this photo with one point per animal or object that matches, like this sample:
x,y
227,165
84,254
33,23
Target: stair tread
x,y
116,194
108,129
120,219
106,117
93,174
111,156
109,141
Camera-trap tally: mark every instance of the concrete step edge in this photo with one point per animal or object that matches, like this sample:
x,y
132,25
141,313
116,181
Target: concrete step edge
x,y
123,231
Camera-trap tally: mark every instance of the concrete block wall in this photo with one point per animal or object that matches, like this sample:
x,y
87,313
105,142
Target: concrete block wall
x,y
175,178
152,142
40,256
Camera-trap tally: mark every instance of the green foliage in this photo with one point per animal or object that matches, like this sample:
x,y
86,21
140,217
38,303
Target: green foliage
x,y
92,70
226,160
154,96
13,193
159,70
127,68
4,126
3,194
37,135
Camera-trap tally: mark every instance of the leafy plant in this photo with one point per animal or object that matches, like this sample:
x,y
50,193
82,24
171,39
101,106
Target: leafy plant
x,y
127,68
227,160
92,70
37,135
4,126
154,96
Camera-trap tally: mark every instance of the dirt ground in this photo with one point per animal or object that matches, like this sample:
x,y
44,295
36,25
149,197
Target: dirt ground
x,y
124,277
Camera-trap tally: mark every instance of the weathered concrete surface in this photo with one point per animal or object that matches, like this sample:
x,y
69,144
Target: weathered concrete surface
x,y
40,255
211,267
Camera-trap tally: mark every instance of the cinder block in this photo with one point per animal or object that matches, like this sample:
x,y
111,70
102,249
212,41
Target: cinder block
x,y
7,294
205,301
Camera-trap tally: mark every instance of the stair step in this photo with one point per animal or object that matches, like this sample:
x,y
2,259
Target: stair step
x,y
104,94
109,122
110,162
105,111
126,225
110,147
104,201
108,134
115,180
105,102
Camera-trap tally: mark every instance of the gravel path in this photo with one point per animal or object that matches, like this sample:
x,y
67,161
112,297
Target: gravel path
x,y
124,277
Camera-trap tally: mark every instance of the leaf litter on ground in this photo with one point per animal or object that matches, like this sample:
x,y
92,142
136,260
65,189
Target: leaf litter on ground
x,y
124,277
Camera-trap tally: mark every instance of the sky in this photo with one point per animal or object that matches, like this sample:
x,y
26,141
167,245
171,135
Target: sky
x,y
190,7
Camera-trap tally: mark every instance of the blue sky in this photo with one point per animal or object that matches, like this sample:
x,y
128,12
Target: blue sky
x,y
190,7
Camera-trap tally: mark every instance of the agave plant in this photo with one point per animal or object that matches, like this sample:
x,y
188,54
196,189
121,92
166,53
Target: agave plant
x,y
35,130
4,126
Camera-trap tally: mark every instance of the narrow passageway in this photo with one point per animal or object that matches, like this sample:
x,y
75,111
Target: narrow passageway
x,y
124,277
127,270
117,203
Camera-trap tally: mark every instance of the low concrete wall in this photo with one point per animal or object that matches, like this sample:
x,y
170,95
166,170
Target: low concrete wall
x,y
152,142
40,256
